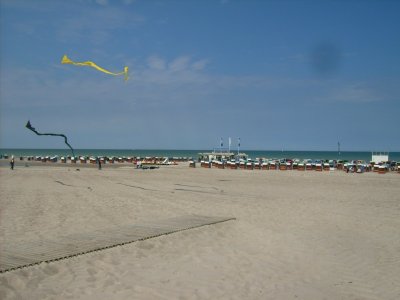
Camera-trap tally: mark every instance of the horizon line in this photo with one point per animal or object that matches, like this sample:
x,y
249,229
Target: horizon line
x,y
170,149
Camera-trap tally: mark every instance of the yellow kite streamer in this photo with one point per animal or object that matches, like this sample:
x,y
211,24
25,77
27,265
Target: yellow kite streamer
x,y
66,60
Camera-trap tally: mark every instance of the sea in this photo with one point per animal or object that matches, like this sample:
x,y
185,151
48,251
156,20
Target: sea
x,y
270,154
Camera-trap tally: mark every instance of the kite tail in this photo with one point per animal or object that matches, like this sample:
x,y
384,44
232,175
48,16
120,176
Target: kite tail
x,y
66,142
30,127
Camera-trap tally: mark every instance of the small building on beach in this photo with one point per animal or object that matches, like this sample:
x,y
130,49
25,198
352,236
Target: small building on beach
x,y
378,157
221,155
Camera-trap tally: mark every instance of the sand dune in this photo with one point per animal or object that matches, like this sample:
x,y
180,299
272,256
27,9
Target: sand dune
x,y
297,235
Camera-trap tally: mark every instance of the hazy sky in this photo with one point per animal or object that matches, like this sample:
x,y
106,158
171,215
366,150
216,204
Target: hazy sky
x,y
292,74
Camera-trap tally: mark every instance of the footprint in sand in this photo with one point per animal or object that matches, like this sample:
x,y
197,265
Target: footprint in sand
x,y
92,271
50,270
92,275
145,245
34,282
141,254
108,282
115,262
91,279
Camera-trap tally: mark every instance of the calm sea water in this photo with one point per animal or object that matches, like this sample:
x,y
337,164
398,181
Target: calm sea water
x,y
349,155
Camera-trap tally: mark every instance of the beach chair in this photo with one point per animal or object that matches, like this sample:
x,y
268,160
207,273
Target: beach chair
x,y
283,167
382,169
249,166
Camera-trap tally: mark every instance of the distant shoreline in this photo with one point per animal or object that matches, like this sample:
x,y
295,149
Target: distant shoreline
x,y
344,155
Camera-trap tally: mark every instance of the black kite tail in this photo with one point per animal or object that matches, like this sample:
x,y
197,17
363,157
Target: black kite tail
x,y
29,126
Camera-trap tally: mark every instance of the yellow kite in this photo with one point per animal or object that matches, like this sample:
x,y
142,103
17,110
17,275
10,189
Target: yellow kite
x,y
66,60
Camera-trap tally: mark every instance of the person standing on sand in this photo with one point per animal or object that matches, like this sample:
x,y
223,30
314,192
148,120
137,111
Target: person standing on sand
x,y
99,162
12,163
138,163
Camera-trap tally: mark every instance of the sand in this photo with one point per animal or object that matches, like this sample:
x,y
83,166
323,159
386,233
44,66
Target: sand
x,y
297,235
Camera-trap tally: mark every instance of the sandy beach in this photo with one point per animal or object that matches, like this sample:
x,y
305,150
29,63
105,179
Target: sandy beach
x,y
297,235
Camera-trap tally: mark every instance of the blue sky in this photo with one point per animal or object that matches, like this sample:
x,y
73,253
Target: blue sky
x,y
293,74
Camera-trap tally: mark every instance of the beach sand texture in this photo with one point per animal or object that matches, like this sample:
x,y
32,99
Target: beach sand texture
x,y
297,235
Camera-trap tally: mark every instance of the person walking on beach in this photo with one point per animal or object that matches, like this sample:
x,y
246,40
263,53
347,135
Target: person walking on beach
x,y
12,163
99,162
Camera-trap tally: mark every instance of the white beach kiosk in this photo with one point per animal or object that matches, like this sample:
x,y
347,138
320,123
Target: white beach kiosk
x,y
379,160
218,158
379,157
